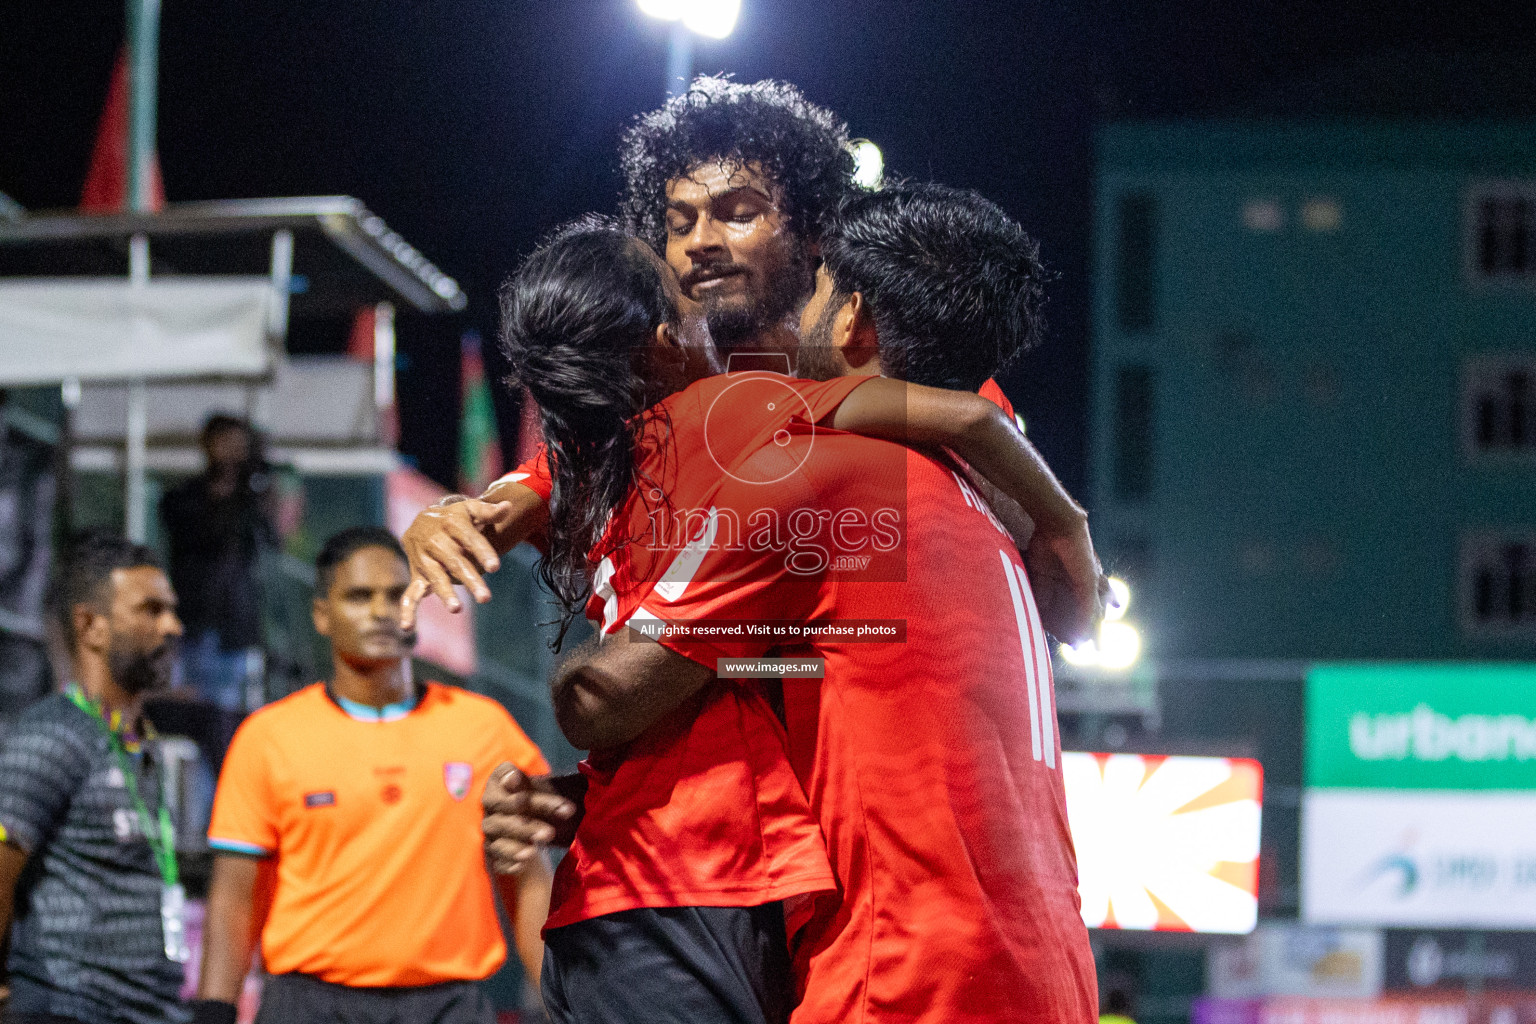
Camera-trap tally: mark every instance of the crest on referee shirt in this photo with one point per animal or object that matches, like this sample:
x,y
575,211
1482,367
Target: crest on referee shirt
x,y
457,776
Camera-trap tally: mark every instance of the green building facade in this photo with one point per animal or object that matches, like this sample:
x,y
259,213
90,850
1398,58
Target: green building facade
x,y
1314,398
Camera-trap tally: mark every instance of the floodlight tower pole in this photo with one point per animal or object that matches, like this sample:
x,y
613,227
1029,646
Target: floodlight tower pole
x,y
679,60
143,75
143,65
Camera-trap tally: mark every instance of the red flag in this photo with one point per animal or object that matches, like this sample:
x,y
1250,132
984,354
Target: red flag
x,y
360,342
106,184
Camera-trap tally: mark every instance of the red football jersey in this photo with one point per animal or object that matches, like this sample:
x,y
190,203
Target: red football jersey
x,y
989,389
533,474
933,764
703,809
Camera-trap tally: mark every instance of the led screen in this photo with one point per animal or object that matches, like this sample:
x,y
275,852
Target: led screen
x,y
1165,843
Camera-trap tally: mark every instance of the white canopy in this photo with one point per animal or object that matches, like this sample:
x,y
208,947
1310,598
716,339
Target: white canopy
x,y
114,329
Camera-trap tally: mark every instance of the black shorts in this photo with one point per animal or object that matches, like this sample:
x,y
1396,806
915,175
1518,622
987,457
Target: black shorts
x,y
670,965
301,999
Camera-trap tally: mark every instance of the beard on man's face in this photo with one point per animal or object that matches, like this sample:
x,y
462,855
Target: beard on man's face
x,y
786,282
140,671
815,358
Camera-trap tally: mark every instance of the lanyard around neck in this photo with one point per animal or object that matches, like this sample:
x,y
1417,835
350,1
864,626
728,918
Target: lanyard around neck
x,y
162,840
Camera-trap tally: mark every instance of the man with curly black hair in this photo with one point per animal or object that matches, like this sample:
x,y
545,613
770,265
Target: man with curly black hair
x,y
733,185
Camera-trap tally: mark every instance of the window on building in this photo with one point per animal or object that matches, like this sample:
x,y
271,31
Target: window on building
x,y
1499,406
1502,235
1322,214
1136,257
1133,432
1266,215
1498,585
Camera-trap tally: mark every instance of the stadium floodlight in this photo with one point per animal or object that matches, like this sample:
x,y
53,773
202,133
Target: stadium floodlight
x,y
712,18
868,163
1118,644
1121,593
1084,655
666,10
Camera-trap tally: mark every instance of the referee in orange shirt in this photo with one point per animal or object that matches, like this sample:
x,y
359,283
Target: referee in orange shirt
x,y
346,829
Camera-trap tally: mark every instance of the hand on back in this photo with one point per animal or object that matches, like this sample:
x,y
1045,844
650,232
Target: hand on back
x,y
522,816
448,544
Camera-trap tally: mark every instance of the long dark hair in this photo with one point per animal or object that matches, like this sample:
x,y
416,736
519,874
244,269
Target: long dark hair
x,y
576,320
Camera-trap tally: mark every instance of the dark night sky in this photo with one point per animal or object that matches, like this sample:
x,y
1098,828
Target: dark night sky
x,y
473,126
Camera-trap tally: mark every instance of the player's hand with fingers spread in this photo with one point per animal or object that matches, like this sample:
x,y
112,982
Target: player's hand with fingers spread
x,y
521,816
1069,584
448,543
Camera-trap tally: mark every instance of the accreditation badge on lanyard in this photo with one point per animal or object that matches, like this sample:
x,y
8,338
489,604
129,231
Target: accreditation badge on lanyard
x,y
173,922
157,832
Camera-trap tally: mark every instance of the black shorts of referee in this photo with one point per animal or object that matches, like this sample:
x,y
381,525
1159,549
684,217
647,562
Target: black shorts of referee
x,y
670,965
302,999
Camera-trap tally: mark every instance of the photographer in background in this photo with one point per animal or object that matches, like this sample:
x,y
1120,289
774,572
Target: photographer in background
x,y
216,524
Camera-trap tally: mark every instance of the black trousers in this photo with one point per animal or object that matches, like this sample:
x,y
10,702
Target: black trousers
x,y
670,965
301,999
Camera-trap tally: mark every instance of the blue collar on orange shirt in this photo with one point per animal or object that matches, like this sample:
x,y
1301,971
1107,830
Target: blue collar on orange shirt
x,y
368,713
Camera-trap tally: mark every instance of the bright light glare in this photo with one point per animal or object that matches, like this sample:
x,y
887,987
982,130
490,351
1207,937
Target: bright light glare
x,y
666,10
868,163
1119,645
713,18
1084,654
1122,599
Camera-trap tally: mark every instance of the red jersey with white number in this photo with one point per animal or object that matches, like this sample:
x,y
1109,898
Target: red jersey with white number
x,y
703,809
933,764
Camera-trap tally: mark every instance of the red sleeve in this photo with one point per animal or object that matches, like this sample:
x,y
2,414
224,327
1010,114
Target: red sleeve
x,y
729,418
994,394
533,474
824,396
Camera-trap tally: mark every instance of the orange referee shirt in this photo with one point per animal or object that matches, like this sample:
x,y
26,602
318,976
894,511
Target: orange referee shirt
x,y
373,818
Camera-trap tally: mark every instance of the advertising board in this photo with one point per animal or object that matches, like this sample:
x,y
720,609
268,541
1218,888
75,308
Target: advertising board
x,y
1165,843
1283,958
1420,802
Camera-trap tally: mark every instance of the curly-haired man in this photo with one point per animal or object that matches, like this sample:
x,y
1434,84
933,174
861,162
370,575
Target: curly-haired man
x,y
733,183
737,186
